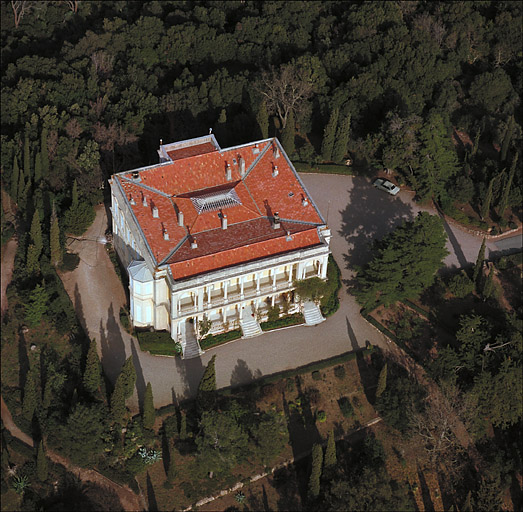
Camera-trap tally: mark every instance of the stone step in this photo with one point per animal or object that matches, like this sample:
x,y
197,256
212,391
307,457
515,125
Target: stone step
x,y
312,314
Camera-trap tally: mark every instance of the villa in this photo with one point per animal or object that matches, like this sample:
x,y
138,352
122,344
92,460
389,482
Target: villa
x,y
216,235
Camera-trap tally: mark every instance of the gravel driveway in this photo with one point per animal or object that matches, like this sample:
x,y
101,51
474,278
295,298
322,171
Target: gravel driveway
x,y
356,212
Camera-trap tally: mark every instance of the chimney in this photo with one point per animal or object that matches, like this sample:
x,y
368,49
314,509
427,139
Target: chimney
x,y
304,201
155,212
144,199
165,235
288,238
132,201
224,221
275,171
228,173
242,165
135,175
276,221
180,218
161,142
194,244
276,152
255,149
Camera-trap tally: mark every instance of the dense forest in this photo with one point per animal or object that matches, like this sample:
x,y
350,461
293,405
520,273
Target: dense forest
x,y
428,91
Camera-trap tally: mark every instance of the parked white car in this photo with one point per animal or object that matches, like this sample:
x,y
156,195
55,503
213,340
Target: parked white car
x,y
386,185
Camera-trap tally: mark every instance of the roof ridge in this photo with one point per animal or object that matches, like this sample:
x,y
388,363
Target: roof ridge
x,y
174,250
147,187
251,167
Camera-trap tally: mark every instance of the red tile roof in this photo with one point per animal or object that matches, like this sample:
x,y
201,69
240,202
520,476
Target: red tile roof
x,y
198,149
261,192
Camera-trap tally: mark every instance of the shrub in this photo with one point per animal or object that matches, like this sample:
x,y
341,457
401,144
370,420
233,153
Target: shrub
x,y
461,285
124,319
313,395
321,416
316,375
157,342
70,262
285,321
339,372
346,407
211,340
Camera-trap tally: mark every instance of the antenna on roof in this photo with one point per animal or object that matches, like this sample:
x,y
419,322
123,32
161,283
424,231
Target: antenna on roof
x,y
210,131
161,142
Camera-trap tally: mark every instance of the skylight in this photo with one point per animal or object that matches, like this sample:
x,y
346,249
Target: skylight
x,y
214,201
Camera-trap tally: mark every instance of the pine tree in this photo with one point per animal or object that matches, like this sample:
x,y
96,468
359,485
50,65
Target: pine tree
x,y
314,480
171,471
507,139
30,398
128,375
27,155
506,192
329,136
485,207
92,378
382,381
54,239
183,426
205,396
288,134
148,408
262,118
44,153
15,177
41,463
342,140
330,451
479,262
38,169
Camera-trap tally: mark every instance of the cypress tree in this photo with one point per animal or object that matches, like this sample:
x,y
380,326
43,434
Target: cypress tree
x,y
205,396
30,398
288,134
382,381
74,202
38,168
92,378
262,118
15,177
488,287
506,192
485,208
507,139
32,261
314,480
479,262
41,463
36,233
171,472
330,451
476,143
148,408
54,239
44,153
342,140
183,426
329,136
27,155
118,409
21,196
128,376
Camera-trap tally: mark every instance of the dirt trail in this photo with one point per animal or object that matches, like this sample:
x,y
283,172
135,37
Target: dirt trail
x,y
128,500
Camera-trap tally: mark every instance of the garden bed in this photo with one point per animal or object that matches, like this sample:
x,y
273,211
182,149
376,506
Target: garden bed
x,y
213,340
286,321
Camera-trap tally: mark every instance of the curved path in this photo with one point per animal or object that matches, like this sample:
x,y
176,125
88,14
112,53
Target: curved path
x,y
128,500
356,212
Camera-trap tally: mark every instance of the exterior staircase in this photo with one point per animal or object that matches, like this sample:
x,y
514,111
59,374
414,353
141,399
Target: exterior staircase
x,y
312,314
250,327
190,346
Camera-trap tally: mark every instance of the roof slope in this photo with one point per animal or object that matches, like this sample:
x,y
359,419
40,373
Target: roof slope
x,y
244,186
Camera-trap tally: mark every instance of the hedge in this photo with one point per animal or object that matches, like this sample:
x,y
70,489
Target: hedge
x,y
323,168
330,303
285,321
120,477
365,314
213,340
157,343
417,308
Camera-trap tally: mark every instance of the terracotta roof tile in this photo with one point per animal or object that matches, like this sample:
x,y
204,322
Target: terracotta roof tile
x,y
259,194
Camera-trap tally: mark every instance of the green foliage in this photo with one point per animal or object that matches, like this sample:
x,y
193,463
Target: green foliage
x,y
339,372
27,155
128,377
460,285
330,451
92,378
485,205
288,134
488,286
222,442
316,375
404,262
36,234
171,472
271,436
156,342
274,313
30,401
15,177
321,416
488,497
212,340
262,119
314,479
285,321
41,463
503,203
329,136
479,263
37,305
148,408
342,139
346,407
382,381
54,239
313,288
183,426
78,218
206,394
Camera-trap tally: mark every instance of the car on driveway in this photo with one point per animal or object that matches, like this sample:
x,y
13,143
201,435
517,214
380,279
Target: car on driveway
x,y
386,185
